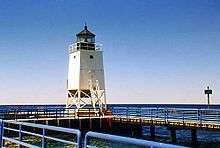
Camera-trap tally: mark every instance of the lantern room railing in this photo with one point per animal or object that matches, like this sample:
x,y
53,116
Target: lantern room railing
x,y
84,46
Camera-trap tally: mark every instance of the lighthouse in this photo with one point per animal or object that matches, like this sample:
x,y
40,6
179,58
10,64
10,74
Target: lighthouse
x,y
86,82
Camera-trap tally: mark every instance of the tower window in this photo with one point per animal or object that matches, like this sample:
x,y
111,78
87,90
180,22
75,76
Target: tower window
x,y
74,57
91,57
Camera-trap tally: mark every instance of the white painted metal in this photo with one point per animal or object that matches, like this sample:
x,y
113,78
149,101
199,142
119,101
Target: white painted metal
x,y
5,126
124,140
86,82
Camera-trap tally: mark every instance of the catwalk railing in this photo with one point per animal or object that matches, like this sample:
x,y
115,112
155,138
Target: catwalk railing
x,y
166,114
22,134
36,113
36,135
170,114
119,141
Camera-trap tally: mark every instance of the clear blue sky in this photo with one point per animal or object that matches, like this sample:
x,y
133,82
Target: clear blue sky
x,y
154,51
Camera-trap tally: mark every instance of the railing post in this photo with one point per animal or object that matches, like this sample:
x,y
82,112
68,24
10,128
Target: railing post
x,y
218,116
66,112
48,112
43,142
37,114
151,113
45,112
165,114
20,134
1,132
201,116
63,115
15,114
56,113
198,116
156,115
86,141
183,118
140,112
61,112
79,140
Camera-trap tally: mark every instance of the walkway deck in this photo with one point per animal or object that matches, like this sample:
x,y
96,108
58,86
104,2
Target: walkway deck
x,y
171,117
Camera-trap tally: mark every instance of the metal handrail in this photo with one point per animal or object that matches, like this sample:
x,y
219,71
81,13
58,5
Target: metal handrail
x,y
43,113
88,136
181,114
1,132
170,114
125,140
43,136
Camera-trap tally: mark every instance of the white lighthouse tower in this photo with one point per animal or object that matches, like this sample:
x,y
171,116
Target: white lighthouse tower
x,y
86,85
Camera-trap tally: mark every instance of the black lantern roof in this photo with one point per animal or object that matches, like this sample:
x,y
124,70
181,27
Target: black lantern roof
x,y
85,32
